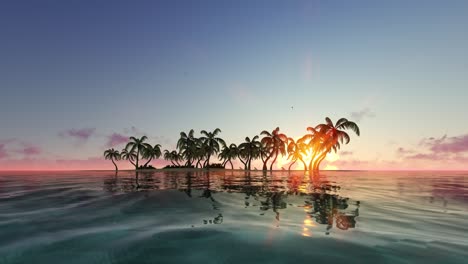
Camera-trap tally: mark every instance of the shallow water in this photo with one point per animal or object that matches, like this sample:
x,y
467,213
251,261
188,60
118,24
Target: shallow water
x,y
233,217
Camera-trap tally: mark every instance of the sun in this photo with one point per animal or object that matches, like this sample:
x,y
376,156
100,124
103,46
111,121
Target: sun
x,y
332,157
330,167
284,161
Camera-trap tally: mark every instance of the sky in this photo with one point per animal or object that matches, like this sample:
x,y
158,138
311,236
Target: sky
x,y
78,77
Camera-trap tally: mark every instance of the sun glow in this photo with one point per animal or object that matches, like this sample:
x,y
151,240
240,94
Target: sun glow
x,y
332,157
284,161
330,167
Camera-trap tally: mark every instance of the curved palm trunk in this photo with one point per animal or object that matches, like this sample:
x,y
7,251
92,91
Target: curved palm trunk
x,y
138,157
173,163
116,169
207,162
289,168
245,163
250,159
319,160
305,165
131,162
311,163
232,166
265,163
273,162
146,164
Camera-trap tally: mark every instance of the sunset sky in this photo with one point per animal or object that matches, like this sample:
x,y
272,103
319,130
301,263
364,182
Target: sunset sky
x,y
77,77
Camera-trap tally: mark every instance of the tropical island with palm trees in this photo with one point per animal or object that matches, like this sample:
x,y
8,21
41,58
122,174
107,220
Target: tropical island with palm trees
x,y
196,152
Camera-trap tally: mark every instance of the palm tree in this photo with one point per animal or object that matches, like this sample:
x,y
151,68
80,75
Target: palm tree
x,y
138,146
250,149
333,135
187,145
227,154
296,151
200,153
112,154
267,144
313,141
128,155
212,142
151,153
172,156
276,142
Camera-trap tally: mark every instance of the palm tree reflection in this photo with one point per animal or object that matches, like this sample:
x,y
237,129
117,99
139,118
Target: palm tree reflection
x,y
329,209
262,190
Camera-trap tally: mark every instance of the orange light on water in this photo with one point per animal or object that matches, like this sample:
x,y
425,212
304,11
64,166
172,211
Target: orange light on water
x,y
309,222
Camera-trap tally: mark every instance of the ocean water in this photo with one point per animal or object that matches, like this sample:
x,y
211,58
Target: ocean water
x,y
233,217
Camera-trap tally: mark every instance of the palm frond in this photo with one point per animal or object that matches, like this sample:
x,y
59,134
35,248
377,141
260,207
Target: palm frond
x,y
216,131
341,121
350,125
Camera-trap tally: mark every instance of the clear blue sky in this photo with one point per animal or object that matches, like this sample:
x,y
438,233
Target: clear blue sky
x,y
163,67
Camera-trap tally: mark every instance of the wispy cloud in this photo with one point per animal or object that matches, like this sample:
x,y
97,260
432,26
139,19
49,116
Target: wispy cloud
x,y
444,149
31,150
80,134
346,153
426,156
404,151
11,147
309,68
447,144
116,139
241,93
133,131
359,115
3,152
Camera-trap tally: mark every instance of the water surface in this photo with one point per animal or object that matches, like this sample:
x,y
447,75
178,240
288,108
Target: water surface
x,y
233,217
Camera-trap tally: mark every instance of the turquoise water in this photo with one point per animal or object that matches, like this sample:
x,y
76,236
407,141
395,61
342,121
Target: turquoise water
x,y
233,217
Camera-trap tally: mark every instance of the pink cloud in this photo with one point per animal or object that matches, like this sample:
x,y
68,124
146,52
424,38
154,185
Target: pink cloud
x,y
423,156
3,152
116,139
31,150
403,151
447,144
81,134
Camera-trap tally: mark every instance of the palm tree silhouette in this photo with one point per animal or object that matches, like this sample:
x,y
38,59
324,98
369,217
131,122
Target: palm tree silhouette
x,y
128,155
200,153
187,145
250,149
313,141
138,146
173,157
151,153
112,154
296,151
276,142
228,154
332,135
212,142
